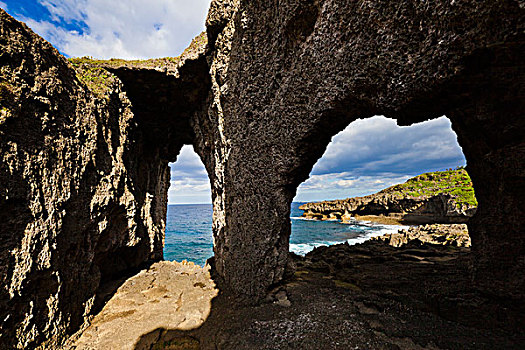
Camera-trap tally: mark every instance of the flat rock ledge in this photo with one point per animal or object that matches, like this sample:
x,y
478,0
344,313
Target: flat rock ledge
x,y
168,295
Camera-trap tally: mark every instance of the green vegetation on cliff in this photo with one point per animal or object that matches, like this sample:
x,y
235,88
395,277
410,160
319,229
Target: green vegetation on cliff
x,y
97,79
456,182
196,46
94,73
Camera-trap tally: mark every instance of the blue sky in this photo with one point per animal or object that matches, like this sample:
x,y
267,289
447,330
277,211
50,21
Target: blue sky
x,y
367,156
113,28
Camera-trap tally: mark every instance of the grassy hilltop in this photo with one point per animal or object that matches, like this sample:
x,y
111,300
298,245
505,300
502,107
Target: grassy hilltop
x,y
454,182
94,73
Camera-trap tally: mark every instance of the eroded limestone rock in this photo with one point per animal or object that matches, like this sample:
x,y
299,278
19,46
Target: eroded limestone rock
x,y
287,76
409,210
453,235
83,190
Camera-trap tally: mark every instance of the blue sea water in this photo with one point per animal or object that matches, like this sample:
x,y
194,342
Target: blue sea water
x,y
189,235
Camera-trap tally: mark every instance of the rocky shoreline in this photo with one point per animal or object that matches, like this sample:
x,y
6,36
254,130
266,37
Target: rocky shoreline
x,y
442,197
390,209
440,234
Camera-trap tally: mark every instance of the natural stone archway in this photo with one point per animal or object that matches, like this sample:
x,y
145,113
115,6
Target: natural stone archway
x,y
288,76
84,174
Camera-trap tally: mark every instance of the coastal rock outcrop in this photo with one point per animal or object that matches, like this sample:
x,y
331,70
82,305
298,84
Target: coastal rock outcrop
x,y
383,207
437,197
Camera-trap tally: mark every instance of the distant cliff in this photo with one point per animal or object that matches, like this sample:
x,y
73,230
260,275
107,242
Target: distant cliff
x,y
437,197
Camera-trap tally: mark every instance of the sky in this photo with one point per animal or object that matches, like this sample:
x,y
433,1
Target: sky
x,y
366,157
113,28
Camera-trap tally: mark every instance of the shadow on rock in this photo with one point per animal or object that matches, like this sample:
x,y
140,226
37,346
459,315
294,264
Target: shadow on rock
x,y
371,295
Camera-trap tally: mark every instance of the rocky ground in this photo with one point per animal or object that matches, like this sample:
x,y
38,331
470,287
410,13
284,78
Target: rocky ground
x,y
454,234
167,295
368,296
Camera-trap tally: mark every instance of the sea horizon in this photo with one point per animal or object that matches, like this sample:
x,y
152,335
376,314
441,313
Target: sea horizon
x,y
189,232
212,203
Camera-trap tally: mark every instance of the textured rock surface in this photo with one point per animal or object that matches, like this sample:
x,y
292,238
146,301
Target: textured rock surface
x,y
454,235
168,295
83,187
84,179
287,76
369,296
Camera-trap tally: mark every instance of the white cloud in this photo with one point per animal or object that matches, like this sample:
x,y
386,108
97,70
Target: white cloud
x,y
126,29
377,145
344,185
191,185
3,5
189,179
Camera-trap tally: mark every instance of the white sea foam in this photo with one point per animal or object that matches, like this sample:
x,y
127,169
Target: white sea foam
x,y
301,218
383,230
363,238
304,248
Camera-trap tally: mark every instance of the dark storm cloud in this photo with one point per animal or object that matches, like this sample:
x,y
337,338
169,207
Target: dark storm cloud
x,y
377,145
375,153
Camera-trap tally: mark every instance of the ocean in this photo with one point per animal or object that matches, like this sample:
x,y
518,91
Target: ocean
x,y
189,235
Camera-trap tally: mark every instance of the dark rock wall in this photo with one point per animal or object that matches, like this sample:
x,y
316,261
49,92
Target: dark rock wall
x,y
82,195
287,76
491,129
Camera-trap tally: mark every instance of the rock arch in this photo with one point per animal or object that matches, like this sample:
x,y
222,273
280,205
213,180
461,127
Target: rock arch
x,y
277,108
277,80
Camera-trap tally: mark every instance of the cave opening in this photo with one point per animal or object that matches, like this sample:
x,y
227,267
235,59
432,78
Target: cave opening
x,y
386,210
343,201
188,234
